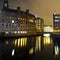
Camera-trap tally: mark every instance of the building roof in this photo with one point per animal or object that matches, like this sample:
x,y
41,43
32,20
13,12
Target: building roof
x,y
23,13
11,10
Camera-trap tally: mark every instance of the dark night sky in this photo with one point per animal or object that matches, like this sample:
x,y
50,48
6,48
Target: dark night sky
x,y
42,8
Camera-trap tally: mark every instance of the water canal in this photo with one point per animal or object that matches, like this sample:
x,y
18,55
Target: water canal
x,y
30,48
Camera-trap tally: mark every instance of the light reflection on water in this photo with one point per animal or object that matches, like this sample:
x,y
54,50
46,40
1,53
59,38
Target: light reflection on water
x,y
30,45
40,42
20,42
56,48
43,40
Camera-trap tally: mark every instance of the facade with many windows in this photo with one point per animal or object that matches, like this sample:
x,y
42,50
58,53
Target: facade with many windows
x,y
39,25
56,22
16,22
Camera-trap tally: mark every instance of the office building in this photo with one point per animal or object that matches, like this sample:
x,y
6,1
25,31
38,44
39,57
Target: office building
x,y
56,22
39,25
15,21
48,28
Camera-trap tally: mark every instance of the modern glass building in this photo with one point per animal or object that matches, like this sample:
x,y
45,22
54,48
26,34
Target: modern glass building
x,y
56,22
39,25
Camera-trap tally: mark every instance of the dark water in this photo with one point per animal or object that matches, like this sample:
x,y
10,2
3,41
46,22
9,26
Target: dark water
x,y
30,48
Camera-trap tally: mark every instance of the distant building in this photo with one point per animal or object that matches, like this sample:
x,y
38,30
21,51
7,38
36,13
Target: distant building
x,y
39,25
56,22
16,22
48,28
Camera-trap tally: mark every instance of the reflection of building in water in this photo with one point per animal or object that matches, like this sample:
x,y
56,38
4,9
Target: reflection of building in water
x,y
27,43
47,39
44,45
20,42
56,50
31,41
39,24
56,47
56,22
38,43
42,41
16,21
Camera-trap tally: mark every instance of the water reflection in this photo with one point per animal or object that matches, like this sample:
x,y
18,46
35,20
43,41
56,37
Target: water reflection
x,y
38,43
31,51
13,52
44,46
6,42
46,39
43,40
56,48
20,42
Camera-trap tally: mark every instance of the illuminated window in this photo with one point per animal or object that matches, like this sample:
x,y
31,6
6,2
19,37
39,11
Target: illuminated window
x,y
23,31
18,31
7,32
57,16
15,32
22,19
30,20
56,20
18,18
12,21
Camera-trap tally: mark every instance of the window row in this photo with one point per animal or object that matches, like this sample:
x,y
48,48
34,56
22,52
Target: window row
x,y
9,24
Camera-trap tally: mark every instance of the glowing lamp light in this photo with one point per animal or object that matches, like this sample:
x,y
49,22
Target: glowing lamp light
x,y
15,32
12,21
46,35
18,31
